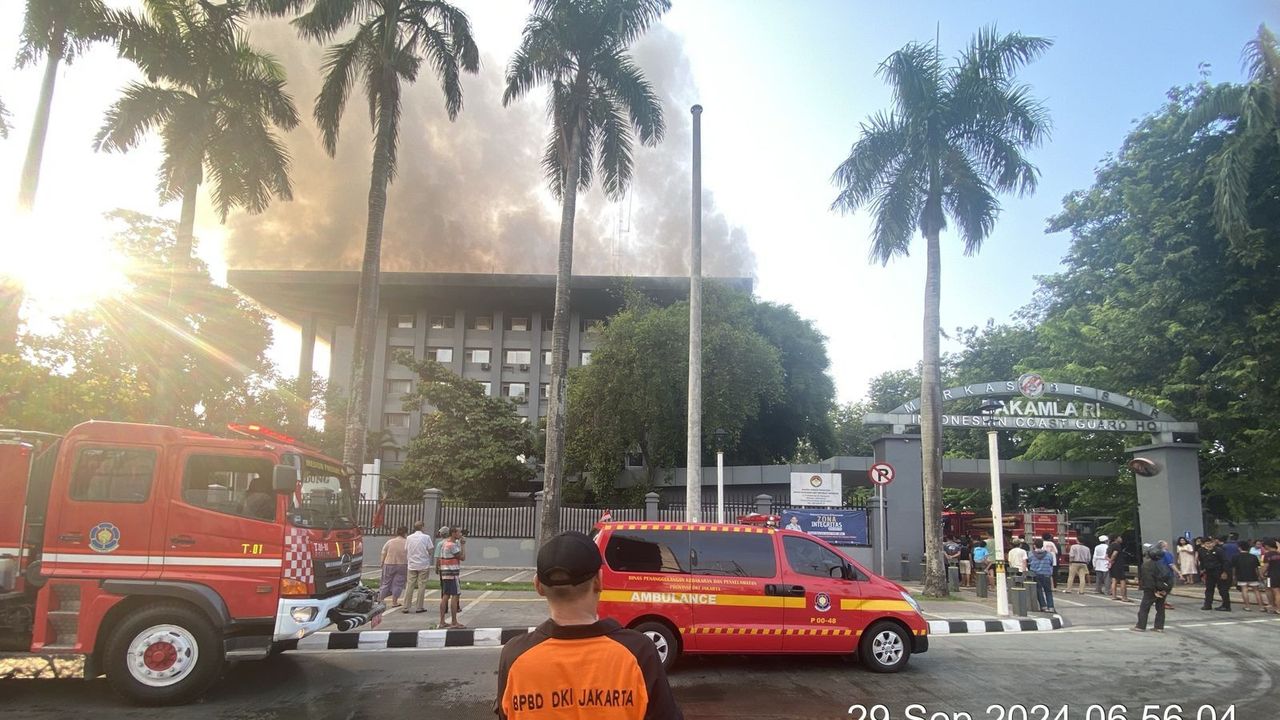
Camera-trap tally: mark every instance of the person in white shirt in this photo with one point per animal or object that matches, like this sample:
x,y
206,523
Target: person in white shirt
x,y
1102,565
418,548
1017,557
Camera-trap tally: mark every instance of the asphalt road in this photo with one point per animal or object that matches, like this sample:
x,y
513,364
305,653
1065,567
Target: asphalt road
x,y
1204,659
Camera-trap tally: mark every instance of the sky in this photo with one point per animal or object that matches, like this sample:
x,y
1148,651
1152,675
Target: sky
x,y
784,86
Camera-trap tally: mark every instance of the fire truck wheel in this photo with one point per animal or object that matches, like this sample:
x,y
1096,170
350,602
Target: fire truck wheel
x,y
664,641
885,648
163,655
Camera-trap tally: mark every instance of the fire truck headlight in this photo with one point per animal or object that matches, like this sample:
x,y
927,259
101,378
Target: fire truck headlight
x,y
915,605
303,614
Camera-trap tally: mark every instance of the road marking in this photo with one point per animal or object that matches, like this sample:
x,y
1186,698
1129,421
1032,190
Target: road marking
x,y
1071,602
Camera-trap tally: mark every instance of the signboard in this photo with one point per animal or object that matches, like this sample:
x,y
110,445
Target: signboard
x,y
1020,422
881,473
816,489
838,527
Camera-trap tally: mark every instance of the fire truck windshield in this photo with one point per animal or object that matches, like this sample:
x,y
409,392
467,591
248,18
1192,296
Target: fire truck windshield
x,y
324,498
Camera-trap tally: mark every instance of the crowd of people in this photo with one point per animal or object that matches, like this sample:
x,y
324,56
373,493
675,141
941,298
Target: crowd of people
x,y
1252,567
407,562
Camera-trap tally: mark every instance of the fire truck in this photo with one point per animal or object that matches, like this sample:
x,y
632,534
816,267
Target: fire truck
x,y
1017,523
157,555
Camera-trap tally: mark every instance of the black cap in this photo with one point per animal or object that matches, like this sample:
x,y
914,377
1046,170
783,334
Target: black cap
x,y
569,558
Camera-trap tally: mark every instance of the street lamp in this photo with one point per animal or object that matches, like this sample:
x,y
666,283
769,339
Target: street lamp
x,y
988,409
720,434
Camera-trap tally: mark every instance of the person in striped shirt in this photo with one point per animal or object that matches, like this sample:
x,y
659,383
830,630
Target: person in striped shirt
x,y
450,552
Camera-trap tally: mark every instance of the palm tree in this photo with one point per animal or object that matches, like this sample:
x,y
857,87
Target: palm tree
x,y
1253,109
58,31
391,41
598,100
214,100
5,127
953,139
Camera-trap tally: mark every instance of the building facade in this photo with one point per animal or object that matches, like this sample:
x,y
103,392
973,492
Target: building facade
x,y
493,329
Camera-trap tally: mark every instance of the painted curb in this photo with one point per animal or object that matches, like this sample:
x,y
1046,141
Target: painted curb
x,y
962,627
382,639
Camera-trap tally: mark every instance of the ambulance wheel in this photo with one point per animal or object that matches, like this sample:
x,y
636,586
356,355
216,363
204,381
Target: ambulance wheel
x,y
664,641
163,655
884,648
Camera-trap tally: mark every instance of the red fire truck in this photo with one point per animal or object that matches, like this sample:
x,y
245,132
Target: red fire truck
x,y
158,554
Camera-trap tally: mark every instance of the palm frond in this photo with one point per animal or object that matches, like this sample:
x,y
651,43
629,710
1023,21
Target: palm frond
x,y
438,47
882,141
327,18
5,126
969,200
628,87
1222,102
914,74
339,70
613,137
540,58
896,210
995,56
140,109
64,27
1232,168
1261,57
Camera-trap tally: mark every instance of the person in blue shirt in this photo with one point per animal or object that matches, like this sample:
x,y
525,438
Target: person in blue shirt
x,y
1040,567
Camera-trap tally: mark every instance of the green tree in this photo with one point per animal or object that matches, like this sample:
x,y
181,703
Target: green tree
x,y
392,40
1252,112
633,398
472,446
598,100
955,138
214,100
800,416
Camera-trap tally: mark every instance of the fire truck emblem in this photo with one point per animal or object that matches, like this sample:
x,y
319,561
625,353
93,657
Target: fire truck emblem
x,y
1031,385
822,602
104,537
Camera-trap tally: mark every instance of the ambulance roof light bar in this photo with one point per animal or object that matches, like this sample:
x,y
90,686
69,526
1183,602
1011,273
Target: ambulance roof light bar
x,y
262,432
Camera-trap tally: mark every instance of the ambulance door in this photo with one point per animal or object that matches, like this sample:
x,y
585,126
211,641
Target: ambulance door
x,y
104,516
829,620
225,529
736,595
647,575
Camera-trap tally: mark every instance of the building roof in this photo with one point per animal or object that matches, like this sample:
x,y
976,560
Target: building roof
x,y
331,294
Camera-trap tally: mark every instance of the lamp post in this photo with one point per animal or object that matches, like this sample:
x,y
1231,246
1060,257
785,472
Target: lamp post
x,y
720,434
988,409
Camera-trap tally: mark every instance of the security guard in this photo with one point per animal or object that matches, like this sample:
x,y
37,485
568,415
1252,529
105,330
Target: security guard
x,y
576,665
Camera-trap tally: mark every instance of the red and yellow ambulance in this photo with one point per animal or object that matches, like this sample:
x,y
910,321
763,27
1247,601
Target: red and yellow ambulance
x,y
720,588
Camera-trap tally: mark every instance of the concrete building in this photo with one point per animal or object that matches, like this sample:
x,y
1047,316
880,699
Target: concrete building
x,y
494,329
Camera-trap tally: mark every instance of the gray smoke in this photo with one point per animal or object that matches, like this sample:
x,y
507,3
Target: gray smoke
x,y
469,196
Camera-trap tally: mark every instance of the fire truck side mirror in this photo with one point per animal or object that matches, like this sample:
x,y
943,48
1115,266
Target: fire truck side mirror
x,y
284,479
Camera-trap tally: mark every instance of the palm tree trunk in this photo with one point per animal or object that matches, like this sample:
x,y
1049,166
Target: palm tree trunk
x,y
935,576
353,445
165,404
554,469
39,127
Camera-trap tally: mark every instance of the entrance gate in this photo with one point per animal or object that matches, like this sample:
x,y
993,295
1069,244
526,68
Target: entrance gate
x,y
1168,484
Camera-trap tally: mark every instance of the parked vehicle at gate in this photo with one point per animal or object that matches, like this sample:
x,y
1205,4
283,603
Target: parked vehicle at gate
x,y
718,588
158,554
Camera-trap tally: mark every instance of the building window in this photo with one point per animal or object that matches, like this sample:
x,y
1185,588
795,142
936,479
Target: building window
x,y
584,357
440,355
480,322
518,324
544,390
397,388
518,357
548,321
484,386
441,322
397,348
476,356
589,325
390,455
395,420
546,358
515,390
402,322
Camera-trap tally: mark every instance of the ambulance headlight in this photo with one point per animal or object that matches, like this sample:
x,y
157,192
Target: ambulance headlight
x,y
303,614
912,602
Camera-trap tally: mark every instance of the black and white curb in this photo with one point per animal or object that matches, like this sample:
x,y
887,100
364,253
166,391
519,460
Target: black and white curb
x,y
961,627
382,639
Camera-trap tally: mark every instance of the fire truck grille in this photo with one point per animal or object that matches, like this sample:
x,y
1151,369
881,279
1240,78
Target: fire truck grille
x,y
335,575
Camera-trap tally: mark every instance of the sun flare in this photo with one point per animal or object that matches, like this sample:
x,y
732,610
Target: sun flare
x,y
65,262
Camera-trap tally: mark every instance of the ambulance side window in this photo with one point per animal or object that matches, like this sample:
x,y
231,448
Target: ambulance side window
x,y
228,484
734,554
648,551
113,475
809,558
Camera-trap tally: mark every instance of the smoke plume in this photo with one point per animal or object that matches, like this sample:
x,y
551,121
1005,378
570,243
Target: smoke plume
x,y
469,195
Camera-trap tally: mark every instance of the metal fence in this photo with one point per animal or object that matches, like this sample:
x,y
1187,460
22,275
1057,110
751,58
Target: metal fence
x,y
584,517
490,520
384,521
674,512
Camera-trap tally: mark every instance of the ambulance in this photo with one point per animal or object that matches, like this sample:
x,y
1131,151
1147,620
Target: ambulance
x,y
156,555
697,588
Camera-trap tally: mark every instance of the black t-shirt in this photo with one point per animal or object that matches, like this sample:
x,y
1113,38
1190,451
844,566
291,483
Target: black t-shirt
x,y
966,552
1120,563
1273,567
1246,567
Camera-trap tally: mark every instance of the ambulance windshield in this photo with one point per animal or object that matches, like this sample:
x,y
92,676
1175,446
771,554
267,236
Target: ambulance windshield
x,y
324,499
